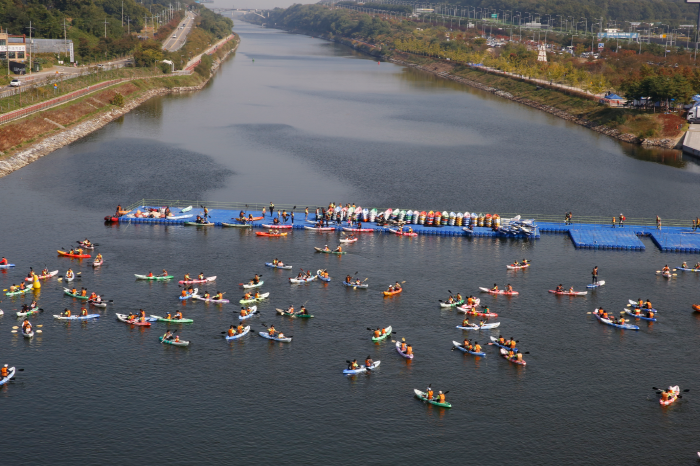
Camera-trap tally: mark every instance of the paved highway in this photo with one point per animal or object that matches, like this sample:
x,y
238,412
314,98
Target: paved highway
x,y
177,39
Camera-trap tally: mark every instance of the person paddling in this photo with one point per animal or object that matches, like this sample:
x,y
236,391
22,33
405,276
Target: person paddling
x,y
3,261
353,365
368,362
231,331
495,287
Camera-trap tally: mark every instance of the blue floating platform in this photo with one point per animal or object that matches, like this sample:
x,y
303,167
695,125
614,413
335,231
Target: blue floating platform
x,y
676,239
605,237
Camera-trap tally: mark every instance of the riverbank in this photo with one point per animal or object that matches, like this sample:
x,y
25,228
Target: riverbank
x,y
28,139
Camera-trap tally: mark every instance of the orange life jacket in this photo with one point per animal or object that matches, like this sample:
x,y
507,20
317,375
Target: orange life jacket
x,y
430,394
67,313
441,398
409,350
403,347
4,372
231,332
240,329
376,333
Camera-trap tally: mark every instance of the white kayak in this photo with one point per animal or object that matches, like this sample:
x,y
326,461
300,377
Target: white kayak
x,y
28,335
69,279
480,327
362,369
41,277
89,316
303,280
10,374
349,240
28,313
238,335
466,307
596,285
267,335
569,293
96,304
254,285
253,311
286,267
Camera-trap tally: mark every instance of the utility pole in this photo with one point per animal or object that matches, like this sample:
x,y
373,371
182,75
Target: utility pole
x,y
106,22
30,47
65,38
128,26
122,13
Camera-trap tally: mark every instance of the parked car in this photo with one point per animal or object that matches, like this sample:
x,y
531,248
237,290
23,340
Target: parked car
x,y
15,82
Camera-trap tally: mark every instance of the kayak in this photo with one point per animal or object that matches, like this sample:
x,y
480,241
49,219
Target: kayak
x,y
362,286
303,280
517,267
155,277
635,306
504,353
363,230
398,349
28,335
255,300
424,397
236,225
349,240
494,340
382,337
28,313
189,295
392,293
402,233
267,335
271,235
282,312
77,296
685,269
49,275
195,224
667,274
569,293
84,246
97,263
175,321
319,228
186,209
18,292
461,347
89,316
211,300
674,396
329,251
69,279
173,342
252,311
197,280
286,267
238,335
278,227
613,324
480,327
6,266
507,293
640,316
466,307
596,285
362,369
96,304
320,277
123,318
254,285
696,307
10,374
454,304
65,254
472,312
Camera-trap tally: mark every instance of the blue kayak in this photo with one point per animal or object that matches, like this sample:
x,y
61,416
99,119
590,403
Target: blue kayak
x,y
6,266
286,267
355,286
596,285
640,316
459,346
613,324
494,340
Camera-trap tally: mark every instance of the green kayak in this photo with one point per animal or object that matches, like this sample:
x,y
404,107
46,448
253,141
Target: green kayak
x,y
15,293
255,300
424,397
155,277
382,337
236,225
289,314
195,224
329,252
174,343
456,303
176,321
77,296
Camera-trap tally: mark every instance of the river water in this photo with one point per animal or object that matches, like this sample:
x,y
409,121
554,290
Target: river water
x,y
292,119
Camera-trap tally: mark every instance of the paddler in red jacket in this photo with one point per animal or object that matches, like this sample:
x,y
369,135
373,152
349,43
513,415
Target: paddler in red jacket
x,y
3,261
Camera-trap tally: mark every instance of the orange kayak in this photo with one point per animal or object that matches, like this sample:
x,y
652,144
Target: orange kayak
x,y
696,307
264,233
391,293
64,253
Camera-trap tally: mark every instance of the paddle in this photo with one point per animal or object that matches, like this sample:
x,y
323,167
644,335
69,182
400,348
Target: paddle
x,y
661,390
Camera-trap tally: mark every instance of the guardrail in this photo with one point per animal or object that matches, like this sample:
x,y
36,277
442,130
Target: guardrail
x,y
257,206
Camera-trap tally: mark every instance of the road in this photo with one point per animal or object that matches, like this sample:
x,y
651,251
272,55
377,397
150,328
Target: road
x,y
177,39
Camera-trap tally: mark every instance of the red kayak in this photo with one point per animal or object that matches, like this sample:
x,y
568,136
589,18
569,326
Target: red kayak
x,y
507,293
481,314
403,233
65,254
363,230
111,219
264,233
197,280
279,227
569,293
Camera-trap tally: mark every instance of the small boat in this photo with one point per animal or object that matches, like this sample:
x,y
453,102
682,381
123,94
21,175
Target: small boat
x,y
29,334
596,285
640,316
77,296
284,313
174,342
10,374
41,277
569,293
402,233
319,274
480,327
270,235
96,304
6,266
236,225
18,292
348,240
686,269
28,313
501,292
383,337
495,342
197,224
303,280
197,280
392,293
97,263
329,251
245,331
210,300
452,304
362,369
461,347
517,267
66,254
504,353
675,391
254,285
278,227
405,355
359,230
123,318
696,307
254,300
319,228
467,307
286,267
189,295
155,277
613,324
351,285
267,335
424,397
89,316
174,321
252,311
